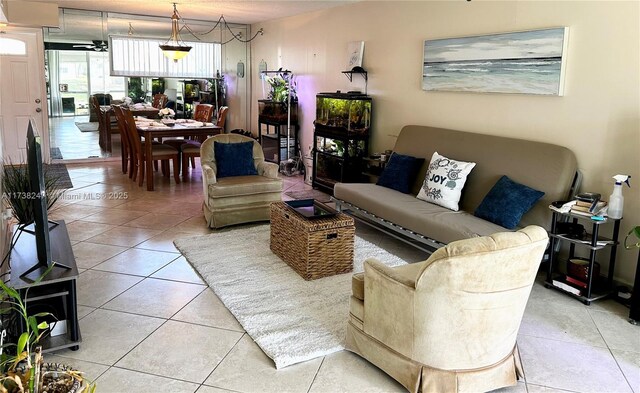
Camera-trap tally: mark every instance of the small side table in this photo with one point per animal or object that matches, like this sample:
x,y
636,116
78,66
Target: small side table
x,y
59,283
596,288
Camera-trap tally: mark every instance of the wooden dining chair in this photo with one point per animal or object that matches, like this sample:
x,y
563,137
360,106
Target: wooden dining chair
x,y
160,152
159,101
191,149
127,156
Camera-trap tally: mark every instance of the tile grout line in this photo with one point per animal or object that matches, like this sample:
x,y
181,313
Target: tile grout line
x,y
316,374
611,352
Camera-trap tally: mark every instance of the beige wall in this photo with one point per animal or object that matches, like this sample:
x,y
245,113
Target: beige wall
x,y
598,117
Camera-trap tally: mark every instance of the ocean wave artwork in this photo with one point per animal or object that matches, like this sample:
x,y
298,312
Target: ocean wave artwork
x,y
528,62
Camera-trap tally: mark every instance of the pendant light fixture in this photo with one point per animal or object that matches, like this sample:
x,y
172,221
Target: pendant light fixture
x,y
175,49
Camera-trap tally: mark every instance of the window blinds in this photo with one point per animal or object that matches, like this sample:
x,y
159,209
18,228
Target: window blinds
x,y
143,57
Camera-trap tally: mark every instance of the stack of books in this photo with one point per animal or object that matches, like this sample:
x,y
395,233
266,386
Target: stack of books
x,y
585,209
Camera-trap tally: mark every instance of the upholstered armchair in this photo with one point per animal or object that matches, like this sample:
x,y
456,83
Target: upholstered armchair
x,y
448,324
237,199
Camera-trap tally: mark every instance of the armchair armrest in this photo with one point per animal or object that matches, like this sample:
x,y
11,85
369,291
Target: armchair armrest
x,y
389,304
268,169
208,174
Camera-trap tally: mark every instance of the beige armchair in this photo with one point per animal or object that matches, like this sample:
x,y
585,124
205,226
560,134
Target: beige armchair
x,y
238,199
448,324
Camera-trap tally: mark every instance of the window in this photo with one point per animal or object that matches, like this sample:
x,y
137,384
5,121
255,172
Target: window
x,y
10,46
143,57
100,80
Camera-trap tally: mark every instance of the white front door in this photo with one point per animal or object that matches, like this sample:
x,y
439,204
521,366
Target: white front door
x,y
22,90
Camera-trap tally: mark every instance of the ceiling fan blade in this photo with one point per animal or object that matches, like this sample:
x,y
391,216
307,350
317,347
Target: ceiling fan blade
x,y
84,46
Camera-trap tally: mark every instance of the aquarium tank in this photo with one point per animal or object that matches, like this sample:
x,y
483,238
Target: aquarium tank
x,y
346,112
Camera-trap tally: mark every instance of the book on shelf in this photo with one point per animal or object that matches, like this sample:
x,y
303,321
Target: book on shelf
x,y
575,281
567,287
584,208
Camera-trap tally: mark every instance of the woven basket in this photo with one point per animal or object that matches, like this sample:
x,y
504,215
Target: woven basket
x,y
314,248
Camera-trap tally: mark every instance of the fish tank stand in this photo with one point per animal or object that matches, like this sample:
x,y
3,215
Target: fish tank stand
x,y
341,139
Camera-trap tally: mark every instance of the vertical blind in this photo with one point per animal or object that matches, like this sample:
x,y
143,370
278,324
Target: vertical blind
x,y
143,57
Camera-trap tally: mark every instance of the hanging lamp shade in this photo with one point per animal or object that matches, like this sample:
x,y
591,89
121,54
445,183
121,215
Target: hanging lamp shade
x,y
175,49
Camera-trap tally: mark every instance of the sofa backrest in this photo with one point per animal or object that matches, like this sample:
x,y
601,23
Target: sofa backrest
x,y
542,166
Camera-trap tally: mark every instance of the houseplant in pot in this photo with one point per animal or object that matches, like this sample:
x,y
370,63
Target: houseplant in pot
x,y
22,369
282,90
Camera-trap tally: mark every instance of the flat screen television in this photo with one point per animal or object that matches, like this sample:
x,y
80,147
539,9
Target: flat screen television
x,y
37,195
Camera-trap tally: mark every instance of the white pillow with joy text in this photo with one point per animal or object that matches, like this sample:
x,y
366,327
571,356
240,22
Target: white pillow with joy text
x,y
444,181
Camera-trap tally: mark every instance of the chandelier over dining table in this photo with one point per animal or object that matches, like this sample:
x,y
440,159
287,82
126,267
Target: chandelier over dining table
x,y
175,48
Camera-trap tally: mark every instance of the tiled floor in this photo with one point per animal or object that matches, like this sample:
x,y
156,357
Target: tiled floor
x,y
149,324
74,144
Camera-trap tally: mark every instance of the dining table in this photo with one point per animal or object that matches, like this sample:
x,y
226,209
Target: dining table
x,y
151,130
104,137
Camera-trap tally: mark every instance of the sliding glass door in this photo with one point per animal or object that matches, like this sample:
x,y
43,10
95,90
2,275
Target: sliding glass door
x,y
75,75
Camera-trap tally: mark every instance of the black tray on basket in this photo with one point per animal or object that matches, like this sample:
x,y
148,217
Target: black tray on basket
x,y
310,209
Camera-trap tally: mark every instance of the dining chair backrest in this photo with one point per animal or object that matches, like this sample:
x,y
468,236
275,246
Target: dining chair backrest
x,y
203,112
132,132
159,101
95,106
222,116
122,126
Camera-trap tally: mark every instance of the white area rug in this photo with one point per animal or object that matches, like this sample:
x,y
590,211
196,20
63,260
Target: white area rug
x,y
291,319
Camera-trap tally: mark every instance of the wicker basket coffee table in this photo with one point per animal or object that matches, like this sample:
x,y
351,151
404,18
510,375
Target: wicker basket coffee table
x,y
314,248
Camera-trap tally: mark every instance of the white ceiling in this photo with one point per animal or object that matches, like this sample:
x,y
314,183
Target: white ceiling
x,y
235,11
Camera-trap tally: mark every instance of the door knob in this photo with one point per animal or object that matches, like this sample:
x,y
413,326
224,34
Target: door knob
x,y
38,110
37,101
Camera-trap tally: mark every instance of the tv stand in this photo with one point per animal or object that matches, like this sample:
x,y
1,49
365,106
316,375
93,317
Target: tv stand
x,y
58,288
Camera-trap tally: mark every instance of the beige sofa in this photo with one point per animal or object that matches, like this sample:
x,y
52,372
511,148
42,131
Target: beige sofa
x,y
448,324
238,199
542,166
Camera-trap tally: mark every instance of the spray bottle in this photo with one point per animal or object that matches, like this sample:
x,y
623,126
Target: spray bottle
x,y
616,200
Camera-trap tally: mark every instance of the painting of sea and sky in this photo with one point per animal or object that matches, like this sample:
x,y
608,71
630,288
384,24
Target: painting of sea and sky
x,y
528,62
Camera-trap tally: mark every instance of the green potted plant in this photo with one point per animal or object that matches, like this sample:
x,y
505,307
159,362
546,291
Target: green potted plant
x,y
22,369
634,313
282,90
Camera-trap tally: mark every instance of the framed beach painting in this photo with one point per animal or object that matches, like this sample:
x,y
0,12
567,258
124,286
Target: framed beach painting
x,y
527,62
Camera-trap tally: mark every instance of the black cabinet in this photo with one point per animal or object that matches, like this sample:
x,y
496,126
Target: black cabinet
x,y
341,139
591,287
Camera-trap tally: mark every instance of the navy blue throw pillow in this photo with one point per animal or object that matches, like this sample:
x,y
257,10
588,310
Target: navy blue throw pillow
x,y
234,159
400,172
507,202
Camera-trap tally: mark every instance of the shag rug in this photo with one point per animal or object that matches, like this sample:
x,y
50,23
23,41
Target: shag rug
x,y
310,194
291,319
87,126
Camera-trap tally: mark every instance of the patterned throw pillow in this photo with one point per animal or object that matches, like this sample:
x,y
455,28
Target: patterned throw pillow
x,y
444,181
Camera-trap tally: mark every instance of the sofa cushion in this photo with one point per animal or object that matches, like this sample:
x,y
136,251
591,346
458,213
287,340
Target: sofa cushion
x,y
430,220
244,185
444,181
234,159
400,172
506,202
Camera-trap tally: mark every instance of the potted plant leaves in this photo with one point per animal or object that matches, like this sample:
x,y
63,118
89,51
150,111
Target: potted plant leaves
x,y
22,369
282,90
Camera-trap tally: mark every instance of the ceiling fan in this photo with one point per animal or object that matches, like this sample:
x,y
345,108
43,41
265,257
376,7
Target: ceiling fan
x,y
98,46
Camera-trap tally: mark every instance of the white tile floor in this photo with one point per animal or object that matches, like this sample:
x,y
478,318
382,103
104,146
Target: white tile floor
x,y
149,324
